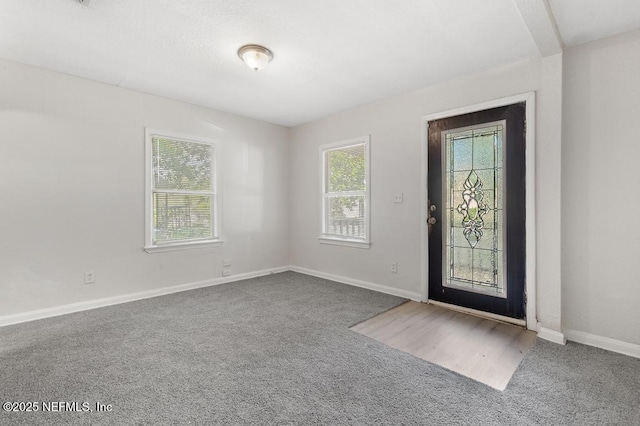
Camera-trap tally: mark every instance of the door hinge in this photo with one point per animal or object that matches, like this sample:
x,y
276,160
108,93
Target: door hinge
x,y
525,298
525,127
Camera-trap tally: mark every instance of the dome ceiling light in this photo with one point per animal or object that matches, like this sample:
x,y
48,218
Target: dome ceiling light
x,y
256,57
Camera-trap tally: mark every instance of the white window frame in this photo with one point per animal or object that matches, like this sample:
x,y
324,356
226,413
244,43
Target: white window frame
x,y
324,237
149,246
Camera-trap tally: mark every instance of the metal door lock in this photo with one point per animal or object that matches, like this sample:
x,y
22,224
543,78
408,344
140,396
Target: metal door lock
x,y
430,219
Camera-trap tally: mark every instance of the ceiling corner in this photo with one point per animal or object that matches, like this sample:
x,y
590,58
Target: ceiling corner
x,y
541,24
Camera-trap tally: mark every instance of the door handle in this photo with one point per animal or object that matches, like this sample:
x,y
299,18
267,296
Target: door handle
x,y
430,219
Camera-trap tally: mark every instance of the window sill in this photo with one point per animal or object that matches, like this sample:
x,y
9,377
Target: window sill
x,y
183,246
345,242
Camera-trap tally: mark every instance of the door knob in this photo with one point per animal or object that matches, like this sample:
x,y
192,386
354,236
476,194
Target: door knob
x,y
430,219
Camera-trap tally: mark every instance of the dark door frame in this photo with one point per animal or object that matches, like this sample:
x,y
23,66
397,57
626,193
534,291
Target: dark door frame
x,y
530,268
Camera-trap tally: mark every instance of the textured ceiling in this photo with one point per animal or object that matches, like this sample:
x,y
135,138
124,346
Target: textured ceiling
x,y
330,55
582,21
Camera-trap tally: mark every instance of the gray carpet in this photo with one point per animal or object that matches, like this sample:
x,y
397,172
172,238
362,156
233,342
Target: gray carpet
x,y
278,350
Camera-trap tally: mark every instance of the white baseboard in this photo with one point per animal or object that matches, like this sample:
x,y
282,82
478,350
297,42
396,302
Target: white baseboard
x,y
601,342
115,300
606,343
551,335
359,283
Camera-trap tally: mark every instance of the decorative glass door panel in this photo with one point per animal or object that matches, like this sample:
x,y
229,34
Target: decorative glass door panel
x,y
473,237
477,192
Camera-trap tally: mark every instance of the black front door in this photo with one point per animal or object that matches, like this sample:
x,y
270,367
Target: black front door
x,y
476,190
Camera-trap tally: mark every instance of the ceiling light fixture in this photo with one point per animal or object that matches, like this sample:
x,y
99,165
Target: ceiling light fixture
x,y
256,57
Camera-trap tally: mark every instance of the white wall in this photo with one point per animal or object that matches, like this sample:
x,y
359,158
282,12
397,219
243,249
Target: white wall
x,y
396,162
600,205
72,180
72,185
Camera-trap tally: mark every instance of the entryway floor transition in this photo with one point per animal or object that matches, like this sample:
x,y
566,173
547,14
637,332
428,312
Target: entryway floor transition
x,y
482,349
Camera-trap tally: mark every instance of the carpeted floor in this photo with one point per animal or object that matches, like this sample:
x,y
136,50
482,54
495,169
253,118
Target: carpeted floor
x,y
278,350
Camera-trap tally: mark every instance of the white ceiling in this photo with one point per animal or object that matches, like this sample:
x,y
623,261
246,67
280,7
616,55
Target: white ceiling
x,y
330,55
582,21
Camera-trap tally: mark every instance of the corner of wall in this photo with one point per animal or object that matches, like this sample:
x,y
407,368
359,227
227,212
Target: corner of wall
x,y
289,202
551,335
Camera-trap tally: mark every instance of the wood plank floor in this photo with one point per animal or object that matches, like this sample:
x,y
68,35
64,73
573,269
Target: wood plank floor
x,y
484,350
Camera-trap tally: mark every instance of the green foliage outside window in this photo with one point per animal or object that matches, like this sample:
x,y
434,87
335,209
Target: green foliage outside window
x,y
346,172
181,166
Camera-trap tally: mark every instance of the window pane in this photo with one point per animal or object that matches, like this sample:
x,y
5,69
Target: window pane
x,y
181,217
462,149
181,165
346,216
462,265
346,169
473,202
484,151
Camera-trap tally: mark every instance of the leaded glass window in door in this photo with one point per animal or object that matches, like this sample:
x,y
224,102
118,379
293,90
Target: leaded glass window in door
x,y
473,193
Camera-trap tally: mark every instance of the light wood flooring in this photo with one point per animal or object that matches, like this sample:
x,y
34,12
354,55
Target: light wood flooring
x,y
484,350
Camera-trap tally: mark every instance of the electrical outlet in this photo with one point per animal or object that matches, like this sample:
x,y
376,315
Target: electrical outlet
x,y
89,277
226,272
394,267
398,198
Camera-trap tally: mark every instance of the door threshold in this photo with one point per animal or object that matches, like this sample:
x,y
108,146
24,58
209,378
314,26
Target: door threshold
x,y
482,314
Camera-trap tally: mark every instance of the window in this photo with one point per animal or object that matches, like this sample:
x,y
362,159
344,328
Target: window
x,y
181,200
345,193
